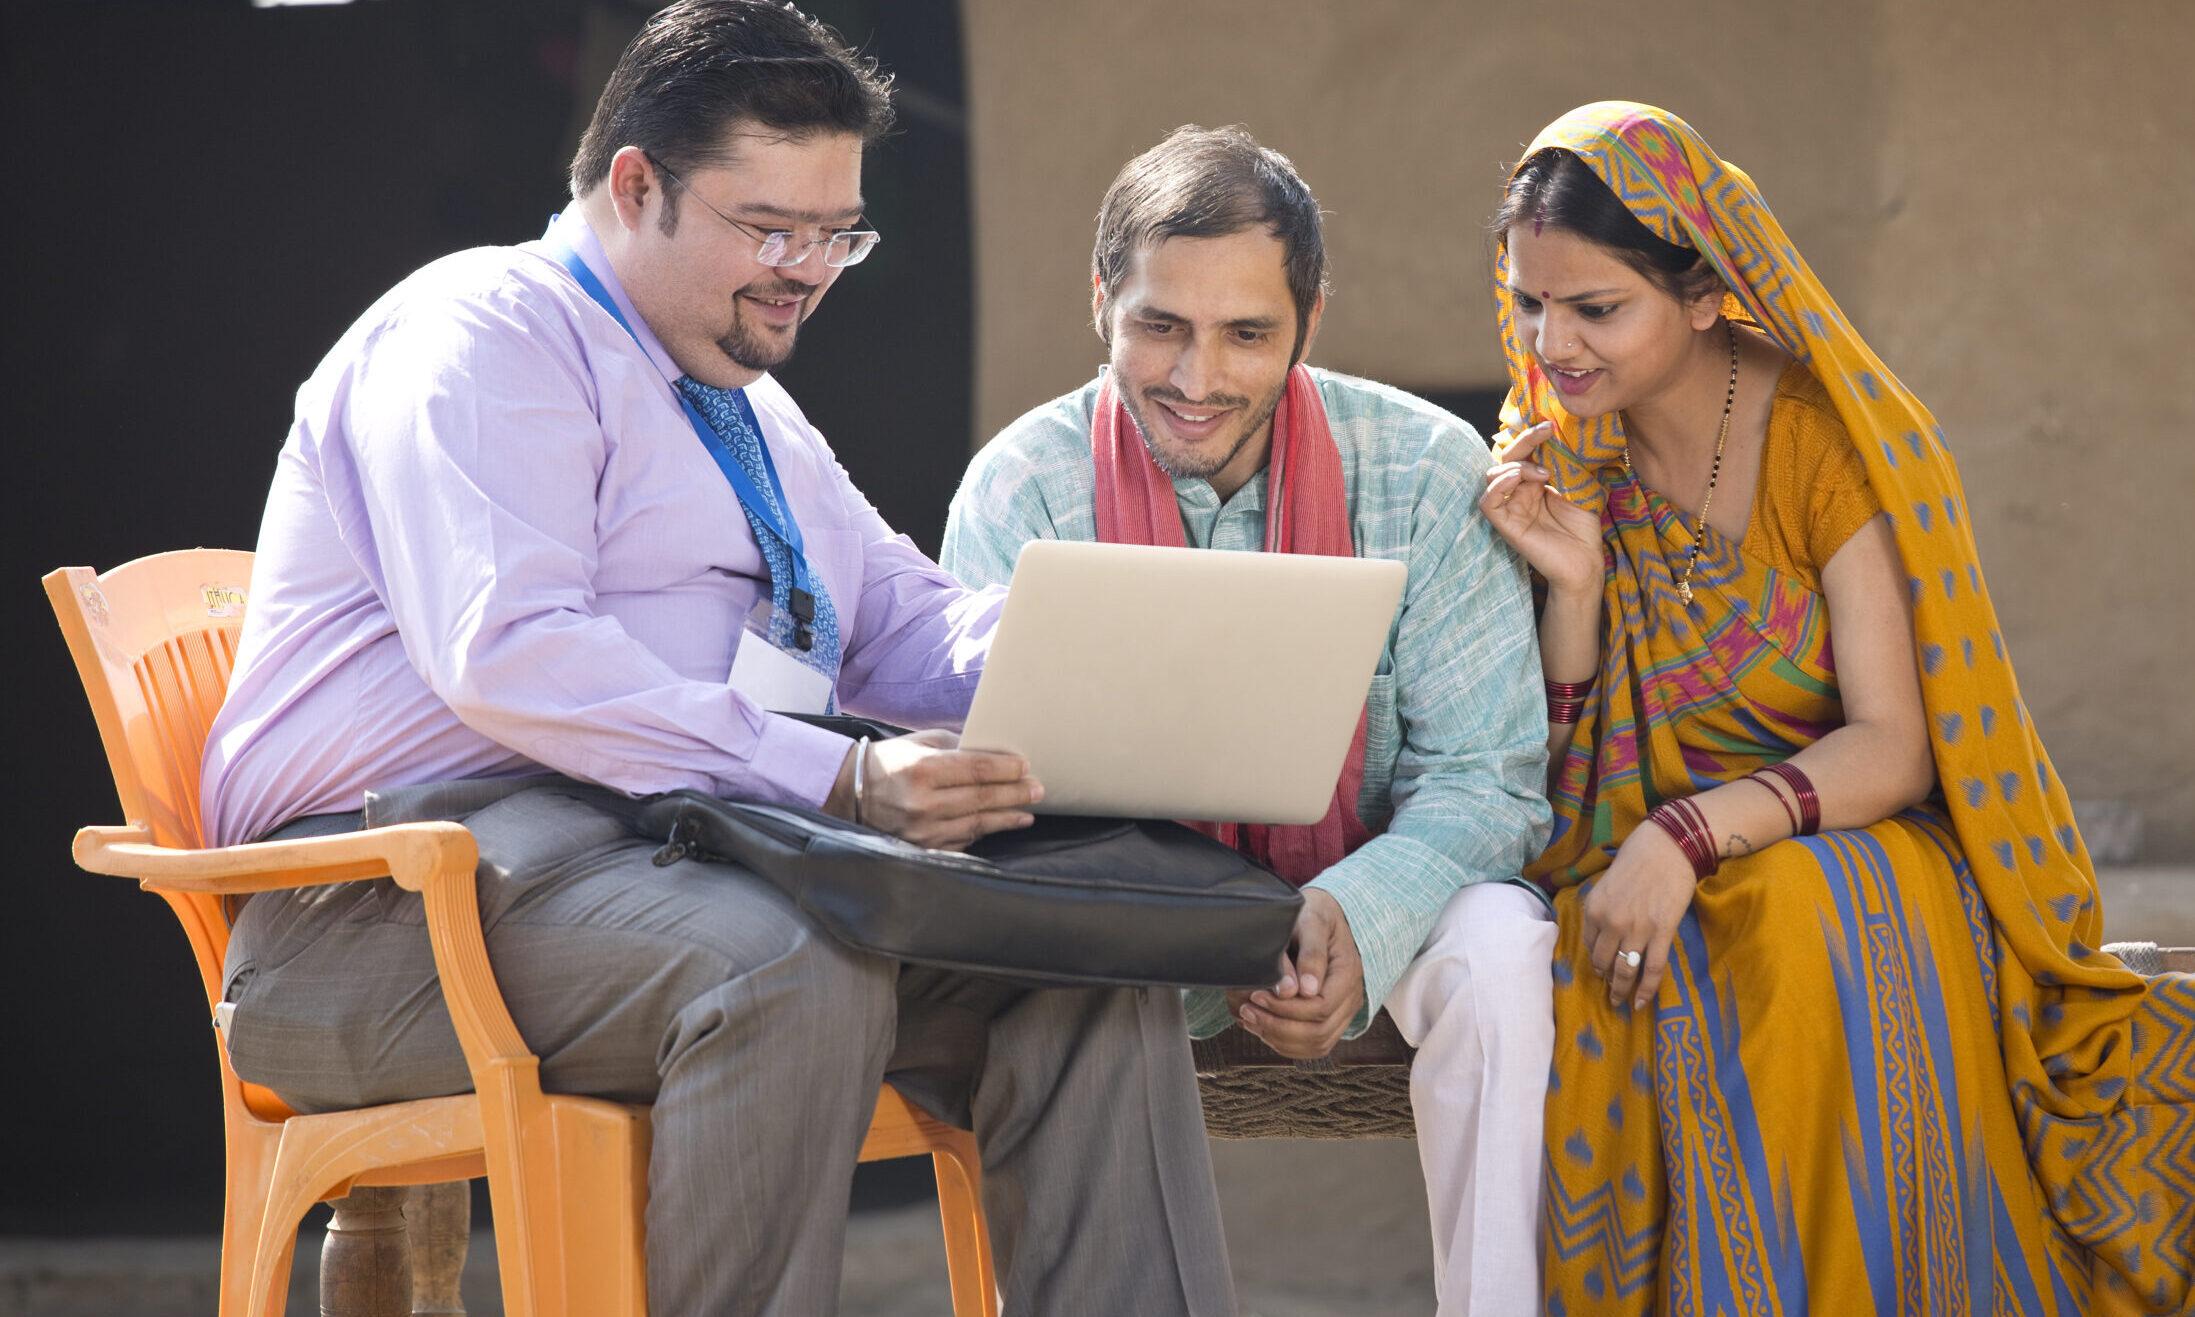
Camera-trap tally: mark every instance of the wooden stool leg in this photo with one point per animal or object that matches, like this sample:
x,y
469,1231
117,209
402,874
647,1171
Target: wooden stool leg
x,y
439,1217
365,1265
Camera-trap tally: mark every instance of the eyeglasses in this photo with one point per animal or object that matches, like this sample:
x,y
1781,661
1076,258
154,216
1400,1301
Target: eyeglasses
x,y
840,249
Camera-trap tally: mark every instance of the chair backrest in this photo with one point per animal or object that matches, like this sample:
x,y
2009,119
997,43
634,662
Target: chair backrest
x,y
154,641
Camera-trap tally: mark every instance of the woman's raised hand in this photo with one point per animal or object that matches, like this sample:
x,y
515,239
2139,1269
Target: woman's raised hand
x,y
1560,539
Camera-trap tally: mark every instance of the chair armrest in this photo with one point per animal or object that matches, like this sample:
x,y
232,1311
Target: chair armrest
x,y
433,859
409,853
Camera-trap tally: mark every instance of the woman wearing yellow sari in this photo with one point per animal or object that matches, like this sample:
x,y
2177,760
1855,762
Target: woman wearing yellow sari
x,y
1833,1034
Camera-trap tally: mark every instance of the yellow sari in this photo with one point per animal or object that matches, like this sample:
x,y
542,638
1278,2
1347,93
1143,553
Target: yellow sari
x,y
1889,1070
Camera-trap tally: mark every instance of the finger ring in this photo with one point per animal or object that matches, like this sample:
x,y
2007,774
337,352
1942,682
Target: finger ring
x,y
1631,958
1510,495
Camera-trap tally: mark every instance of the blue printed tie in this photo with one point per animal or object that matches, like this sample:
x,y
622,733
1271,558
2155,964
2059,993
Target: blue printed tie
x,y
729,420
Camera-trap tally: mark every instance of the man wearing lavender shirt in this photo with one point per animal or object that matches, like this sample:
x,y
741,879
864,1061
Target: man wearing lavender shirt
x,y
504,577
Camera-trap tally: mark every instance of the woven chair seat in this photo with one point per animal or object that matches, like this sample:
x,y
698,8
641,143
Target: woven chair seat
x,y
2149,960
1361,1090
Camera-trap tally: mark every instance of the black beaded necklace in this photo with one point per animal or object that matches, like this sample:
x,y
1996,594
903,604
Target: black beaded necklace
x,y
1714,473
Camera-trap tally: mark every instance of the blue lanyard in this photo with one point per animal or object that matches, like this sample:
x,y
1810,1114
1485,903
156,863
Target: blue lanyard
x,y
784,527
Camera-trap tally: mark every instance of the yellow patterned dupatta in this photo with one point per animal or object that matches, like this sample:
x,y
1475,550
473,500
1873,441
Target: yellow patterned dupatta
x,y
1889,1070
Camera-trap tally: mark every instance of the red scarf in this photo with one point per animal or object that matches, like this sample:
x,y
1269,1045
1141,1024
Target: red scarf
x,y
1306,511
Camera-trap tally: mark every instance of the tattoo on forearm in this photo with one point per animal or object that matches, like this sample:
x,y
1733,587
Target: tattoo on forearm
x,y
1737,845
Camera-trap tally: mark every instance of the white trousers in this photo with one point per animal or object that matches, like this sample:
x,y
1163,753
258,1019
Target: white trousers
x,y
1479,1005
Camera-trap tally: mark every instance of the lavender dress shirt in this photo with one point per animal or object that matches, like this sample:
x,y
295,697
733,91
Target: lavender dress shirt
x,y
495,546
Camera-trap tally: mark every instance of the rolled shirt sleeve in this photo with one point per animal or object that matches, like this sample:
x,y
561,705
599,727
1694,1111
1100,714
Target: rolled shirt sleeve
x,y
1468,794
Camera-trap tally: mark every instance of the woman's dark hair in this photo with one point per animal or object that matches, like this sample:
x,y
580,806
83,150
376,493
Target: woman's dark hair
x,y
1556,189
1209,183
700,66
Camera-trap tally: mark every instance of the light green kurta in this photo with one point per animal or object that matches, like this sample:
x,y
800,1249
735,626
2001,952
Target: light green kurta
x,y
1455,752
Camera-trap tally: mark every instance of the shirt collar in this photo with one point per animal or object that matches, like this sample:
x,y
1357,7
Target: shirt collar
x,y
1195,491
573,229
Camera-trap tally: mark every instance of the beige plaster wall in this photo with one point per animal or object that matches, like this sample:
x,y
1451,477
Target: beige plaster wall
x,y
1400,113
1995,192
2031,273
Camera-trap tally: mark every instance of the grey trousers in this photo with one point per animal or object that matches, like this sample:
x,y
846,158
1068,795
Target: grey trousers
x,y
760,1041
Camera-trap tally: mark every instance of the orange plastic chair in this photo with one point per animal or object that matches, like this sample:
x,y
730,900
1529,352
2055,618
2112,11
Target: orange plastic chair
x,y
154,641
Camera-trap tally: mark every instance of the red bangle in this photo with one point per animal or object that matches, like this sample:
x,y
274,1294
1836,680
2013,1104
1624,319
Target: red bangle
x,y
1686,826
1682,821
1810,805
1767,783
1709,857
1566,700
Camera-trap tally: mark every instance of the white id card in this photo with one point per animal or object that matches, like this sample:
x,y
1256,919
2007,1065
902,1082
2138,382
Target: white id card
x,y
772,678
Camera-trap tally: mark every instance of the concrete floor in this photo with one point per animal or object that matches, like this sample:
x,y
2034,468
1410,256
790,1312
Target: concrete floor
x,y
1314,1229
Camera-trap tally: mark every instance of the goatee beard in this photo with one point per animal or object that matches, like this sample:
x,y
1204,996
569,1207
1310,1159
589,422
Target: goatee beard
x,y
754,351
1176,471
751,353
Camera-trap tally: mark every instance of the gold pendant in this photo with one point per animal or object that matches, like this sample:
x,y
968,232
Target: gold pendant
x,y
1684,591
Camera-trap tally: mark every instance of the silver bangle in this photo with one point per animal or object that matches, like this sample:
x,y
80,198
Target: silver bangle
x,y
861,763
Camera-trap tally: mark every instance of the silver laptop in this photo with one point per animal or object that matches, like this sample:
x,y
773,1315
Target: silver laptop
x,y
1183,683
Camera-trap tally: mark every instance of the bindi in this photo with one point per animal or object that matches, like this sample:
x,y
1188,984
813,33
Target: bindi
x,y
1544,297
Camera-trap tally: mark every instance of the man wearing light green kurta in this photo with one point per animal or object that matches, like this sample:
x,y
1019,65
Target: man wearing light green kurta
x,y
1455,748
1452,943
1209,283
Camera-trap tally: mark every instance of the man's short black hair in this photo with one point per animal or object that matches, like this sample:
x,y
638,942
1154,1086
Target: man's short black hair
x,y
700,66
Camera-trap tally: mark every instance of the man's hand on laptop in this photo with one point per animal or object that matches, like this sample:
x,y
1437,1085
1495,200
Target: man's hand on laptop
x,y
925,789
1320,990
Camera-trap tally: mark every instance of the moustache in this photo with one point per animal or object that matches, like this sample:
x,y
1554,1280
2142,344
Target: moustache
x,y
779,289
1212,402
